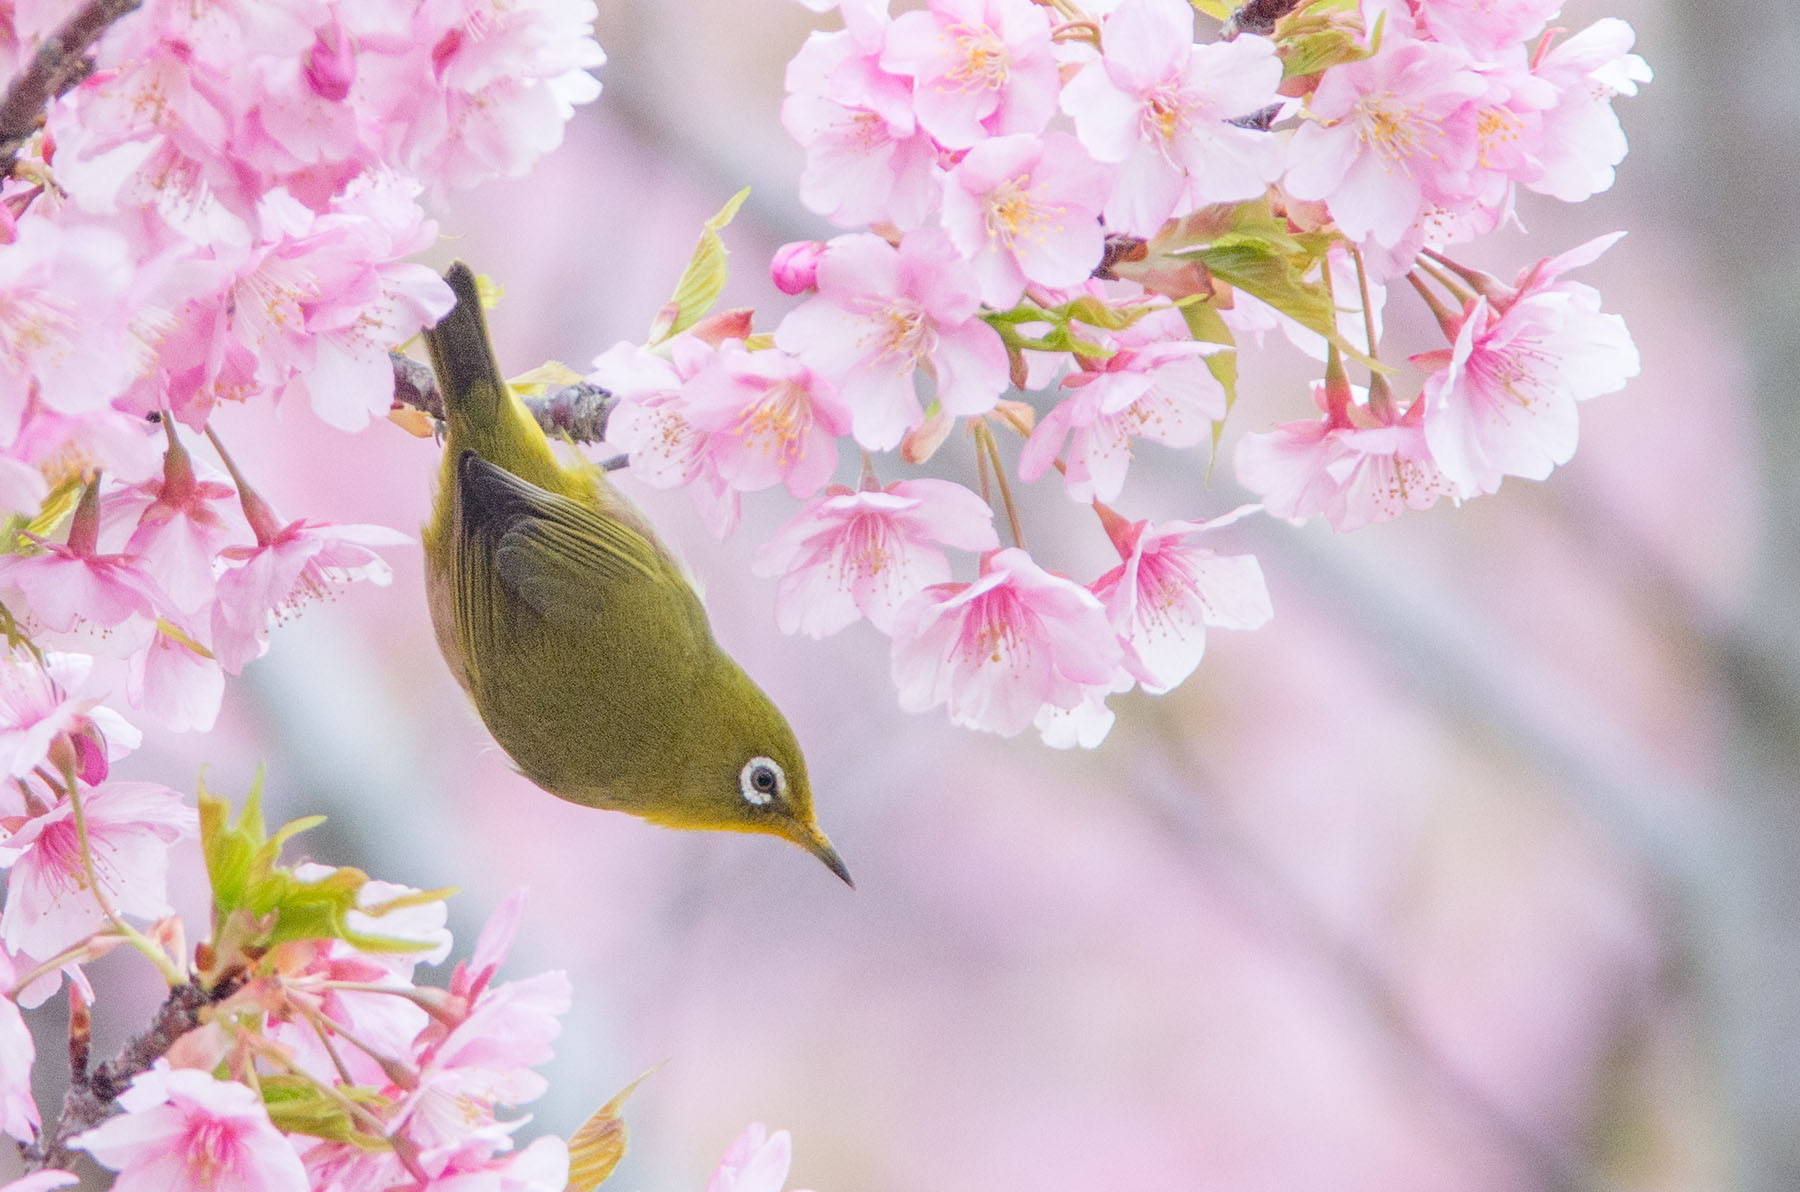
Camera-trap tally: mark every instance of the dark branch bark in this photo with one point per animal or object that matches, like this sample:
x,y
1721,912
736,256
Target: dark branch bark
x,y
577,412
91,1094
60,63
1258,16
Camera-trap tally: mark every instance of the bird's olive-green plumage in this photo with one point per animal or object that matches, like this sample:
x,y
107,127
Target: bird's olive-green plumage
x,y
583,646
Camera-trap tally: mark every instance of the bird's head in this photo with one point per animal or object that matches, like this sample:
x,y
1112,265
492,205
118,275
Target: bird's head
x,y
745,771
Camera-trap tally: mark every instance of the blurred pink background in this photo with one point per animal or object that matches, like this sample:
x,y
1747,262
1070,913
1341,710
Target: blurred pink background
x,y
1472,870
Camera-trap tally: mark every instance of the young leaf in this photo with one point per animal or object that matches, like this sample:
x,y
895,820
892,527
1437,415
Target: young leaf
x,y
704,280
598,1145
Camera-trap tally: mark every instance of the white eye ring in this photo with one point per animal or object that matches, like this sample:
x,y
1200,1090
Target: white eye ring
x,y
760,780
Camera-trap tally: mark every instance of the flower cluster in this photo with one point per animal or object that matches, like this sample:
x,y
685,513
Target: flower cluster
x,y
321,1061
1090,206
220,212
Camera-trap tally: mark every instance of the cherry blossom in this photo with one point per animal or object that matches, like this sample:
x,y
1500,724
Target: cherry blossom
x,y
1387,135
771,420
1581,141
1169,588
178,533
1355,466
289,566
867,159
654,425
865,553
1155,385
43,701
882,313
979,68
756,1161
997,650
184,1129
1503,402
1161,108
68,595
50,903
1026,209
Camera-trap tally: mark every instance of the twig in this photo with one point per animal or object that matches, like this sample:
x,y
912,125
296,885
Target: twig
x,y
89,1101
1258,16
577,412
60,63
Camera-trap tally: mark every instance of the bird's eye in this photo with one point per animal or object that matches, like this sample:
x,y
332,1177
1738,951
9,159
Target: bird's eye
x,y
760,780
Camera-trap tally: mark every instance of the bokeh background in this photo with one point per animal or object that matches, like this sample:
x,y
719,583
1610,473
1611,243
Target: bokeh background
x,y
1475,869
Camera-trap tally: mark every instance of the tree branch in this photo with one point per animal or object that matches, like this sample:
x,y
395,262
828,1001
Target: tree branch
x,y
60,63
577,412
91,1094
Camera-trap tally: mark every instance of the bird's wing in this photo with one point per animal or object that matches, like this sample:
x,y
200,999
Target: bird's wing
x,y
555,554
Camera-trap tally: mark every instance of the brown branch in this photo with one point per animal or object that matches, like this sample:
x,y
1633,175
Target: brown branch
x,y
61,62
1258,16
91,1094
577,412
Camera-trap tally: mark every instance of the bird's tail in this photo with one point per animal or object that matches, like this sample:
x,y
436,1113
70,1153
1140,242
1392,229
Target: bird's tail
x,y
463,357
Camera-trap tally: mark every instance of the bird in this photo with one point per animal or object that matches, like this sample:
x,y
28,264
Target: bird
x,y
585,650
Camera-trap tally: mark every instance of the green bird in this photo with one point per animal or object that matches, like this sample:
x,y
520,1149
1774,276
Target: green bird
x,y
583,646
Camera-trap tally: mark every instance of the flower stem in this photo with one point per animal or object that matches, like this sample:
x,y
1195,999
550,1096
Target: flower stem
x,y
132,935
984,438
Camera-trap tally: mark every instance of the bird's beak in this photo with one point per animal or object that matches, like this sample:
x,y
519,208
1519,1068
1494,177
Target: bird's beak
x,y
814,842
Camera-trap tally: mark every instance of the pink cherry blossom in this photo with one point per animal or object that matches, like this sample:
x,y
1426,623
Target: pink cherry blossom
x,y
882,314
653,424
756,1161
771,419
69,596
1388,135
1581,140
1354,466
130,825
176,685
997,650
1160,107
1026,209
1503,402
867,160
44,701
482,1061
979,68
178,533
1487,30
1156,385
503,79
289,566
849,553
183,1129
1169,588
18,1109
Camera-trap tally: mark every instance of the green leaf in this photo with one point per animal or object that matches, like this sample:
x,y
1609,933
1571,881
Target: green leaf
x,y
1218,10
297,1105
259,903
1206,325
703,282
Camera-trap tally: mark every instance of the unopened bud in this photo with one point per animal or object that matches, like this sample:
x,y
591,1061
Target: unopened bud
x,y
795,269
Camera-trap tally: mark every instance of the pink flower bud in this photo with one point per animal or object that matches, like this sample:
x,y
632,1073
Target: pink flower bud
x,y
795,269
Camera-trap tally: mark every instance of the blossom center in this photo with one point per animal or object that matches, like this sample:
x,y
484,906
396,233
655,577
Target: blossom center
x,y
212,1147
1393,130
1013,215
980,61
775,424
